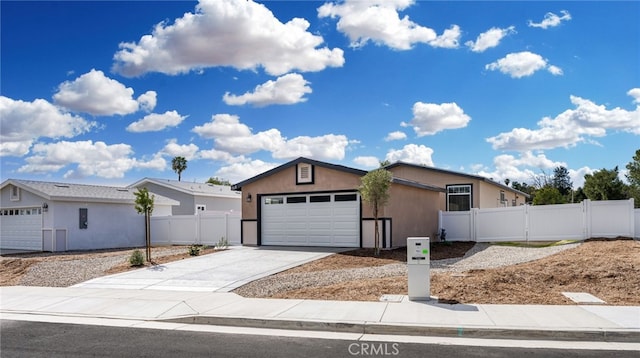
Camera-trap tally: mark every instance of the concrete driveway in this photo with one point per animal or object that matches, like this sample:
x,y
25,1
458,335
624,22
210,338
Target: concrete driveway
x,y
219,272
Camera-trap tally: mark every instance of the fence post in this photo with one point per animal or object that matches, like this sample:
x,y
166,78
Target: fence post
x,y
474,224
526,223
586,214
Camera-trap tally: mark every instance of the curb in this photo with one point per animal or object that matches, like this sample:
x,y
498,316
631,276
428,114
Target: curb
x,y
592,335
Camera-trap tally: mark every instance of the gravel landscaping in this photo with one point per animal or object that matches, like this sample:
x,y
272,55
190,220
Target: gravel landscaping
x,y
480,256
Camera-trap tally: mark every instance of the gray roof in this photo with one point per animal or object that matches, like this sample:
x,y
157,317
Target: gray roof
x,y
461,174
200,189
76,192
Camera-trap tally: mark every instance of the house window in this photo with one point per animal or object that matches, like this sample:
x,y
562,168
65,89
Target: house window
x,y
320,198
15,193
304,173
458,197
346,197
296,199
84,218
270,201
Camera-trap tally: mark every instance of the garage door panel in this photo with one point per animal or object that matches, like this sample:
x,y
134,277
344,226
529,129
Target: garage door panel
x,y
309,223
22,230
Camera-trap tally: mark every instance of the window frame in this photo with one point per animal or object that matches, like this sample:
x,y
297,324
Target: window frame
x,y
460,194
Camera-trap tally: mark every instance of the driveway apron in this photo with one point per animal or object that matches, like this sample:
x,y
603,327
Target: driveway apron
x,y
218,272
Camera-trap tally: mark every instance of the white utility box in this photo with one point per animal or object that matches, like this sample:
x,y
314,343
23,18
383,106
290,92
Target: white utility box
x,y
418,266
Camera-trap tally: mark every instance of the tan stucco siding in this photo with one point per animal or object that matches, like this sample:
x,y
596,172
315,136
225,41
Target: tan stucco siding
x,y
415,213
485,194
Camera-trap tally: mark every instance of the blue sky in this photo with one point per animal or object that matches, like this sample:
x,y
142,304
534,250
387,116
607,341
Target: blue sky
x,y
110,92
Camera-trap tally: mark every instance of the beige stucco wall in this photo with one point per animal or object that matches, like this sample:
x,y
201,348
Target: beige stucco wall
x,y
415,213
485,194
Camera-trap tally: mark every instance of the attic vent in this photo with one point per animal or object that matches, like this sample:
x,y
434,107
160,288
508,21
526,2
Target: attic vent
x,y
61,185
304,174
125,190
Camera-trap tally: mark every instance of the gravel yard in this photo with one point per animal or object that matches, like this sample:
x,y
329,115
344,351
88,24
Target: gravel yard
x,y
461,272
480,256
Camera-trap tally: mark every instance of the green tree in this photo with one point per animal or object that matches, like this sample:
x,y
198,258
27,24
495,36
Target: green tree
x,y
562,181
374,190
633,176
548,195
179,164
525,188
218,181
144,205
604,185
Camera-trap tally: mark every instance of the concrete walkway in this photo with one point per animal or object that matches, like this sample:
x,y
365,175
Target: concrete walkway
x,y
219,272
584,323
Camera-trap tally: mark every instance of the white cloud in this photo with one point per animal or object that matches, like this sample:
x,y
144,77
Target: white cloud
x,y
96,94
411,153
397,135
156,122
635,93
527,167
490,38
234,137
570,127
147,101
326,147
238,172
223,125
551,20
288,89
379,22
431,118
522,64
367,162
91,159
22,123
236,33
173,149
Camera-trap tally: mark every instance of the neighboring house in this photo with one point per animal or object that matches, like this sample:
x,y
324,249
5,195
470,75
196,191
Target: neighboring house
x,y
47,216
193,197
311,203
463,191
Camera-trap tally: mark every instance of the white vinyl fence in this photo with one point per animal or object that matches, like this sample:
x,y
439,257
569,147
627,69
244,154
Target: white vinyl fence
x,y
588,219
205,228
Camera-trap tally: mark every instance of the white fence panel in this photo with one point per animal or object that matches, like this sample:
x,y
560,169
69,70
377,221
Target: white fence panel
x,y
205,229
458,225
611,218
500,224
556,222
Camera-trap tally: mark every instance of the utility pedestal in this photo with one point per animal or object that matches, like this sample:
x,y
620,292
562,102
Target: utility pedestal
x,y
418,267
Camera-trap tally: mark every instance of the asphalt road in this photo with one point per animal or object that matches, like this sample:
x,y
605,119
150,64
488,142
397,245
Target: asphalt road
x,y
37,339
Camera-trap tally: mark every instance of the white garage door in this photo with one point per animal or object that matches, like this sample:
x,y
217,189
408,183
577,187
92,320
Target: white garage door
x,y
21,229
311,220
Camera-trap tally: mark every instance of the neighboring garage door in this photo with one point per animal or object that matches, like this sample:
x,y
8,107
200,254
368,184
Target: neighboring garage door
x,y
21,229
311,220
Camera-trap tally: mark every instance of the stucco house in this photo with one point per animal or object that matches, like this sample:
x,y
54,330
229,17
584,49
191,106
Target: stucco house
x,y
311,203
307,202
49,216
463,191
193,197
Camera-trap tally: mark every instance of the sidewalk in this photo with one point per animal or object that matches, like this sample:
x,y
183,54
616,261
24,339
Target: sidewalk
x,y
577,323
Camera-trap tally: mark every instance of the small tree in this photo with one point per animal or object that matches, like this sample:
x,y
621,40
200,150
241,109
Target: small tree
x,y
633,176
375,191
144,205
179,164
604,185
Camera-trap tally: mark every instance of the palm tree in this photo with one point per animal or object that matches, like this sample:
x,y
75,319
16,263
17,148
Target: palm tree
x,y
179,164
